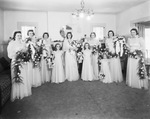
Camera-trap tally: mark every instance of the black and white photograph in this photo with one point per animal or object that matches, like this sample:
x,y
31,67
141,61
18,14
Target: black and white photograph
x,y
74,59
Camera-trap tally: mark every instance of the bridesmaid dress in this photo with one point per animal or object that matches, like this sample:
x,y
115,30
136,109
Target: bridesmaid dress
x,y
45,71
58,74
87,70
94,42
71,68
115,64
19,90
132,78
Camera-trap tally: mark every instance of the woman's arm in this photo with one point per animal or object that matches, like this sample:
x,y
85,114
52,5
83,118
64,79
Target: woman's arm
x,y
10,50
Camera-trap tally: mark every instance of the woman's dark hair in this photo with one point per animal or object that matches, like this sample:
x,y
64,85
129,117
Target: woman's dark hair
x,y
14,35
111,32
88,45
68,34
46,34
134,29
30,31
92,33
56,46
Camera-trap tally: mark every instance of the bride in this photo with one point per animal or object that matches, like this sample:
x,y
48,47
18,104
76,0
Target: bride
x,y
71,69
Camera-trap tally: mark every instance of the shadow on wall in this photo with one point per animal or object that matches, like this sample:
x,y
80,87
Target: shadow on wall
x,y
3,50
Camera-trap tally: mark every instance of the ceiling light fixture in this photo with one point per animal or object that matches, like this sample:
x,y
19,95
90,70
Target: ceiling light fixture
x,y
82,12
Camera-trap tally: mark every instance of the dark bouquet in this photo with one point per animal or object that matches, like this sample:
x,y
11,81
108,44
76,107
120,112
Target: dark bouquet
x,y
94,49
50,61
21,57
101,76
80,57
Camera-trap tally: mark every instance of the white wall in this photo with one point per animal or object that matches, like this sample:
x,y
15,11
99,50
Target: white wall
x,y
56,20
2,47
11,19
125,19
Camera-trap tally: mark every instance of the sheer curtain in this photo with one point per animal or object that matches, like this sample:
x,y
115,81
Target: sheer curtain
x,y
141,29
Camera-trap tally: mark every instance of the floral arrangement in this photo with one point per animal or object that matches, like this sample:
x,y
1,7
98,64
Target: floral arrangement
x,y
112,55
80,57
79,47
141,69
38,55
50,61
126,50
94,49
101,76
119,45
21,57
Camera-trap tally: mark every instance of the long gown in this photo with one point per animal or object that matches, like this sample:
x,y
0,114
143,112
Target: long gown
x,y
58,74
34,73
94,42
19,90
71,68
115,64
45,71
132,78
87,70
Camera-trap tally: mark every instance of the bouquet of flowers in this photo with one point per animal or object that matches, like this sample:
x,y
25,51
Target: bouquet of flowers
x,y
101,76
112,55
50,61
80,57
141,69
37,55
21,57
94,49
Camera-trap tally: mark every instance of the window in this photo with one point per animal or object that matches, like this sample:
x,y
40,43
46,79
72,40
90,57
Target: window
x,y
99,30
24,30
25,26
147,42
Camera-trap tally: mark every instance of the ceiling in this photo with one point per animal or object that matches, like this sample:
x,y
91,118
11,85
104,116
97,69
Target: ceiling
x,y
99,6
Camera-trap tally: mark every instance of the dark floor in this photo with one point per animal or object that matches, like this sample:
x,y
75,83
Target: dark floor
x,y
81,100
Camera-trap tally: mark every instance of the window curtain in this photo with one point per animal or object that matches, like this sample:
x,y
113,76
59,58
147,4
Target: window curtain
x,y
141,29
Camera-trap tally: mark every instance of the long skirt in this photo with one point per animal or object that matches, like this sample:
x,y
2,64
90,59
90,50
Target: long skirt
x,y
115,69
23,89
132,78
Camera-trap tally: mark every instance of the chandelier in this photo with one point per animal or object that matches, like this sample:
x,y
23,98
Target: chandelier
x,y
82,12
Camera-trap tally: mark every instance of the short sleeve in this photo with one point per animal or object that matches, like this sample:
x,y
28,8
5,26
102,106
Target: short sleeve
x,y
10,50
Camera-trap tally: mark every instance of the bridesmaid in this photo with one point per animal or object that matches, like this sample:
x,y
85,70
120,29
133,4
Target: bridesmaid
x,y
71,68
19,90
115,64
94,43
132,78
33,72
45,71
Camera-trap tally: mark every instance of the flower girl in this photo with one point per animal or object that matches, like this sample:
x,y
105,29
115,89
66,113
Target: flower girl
x,y
58,75
87,69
